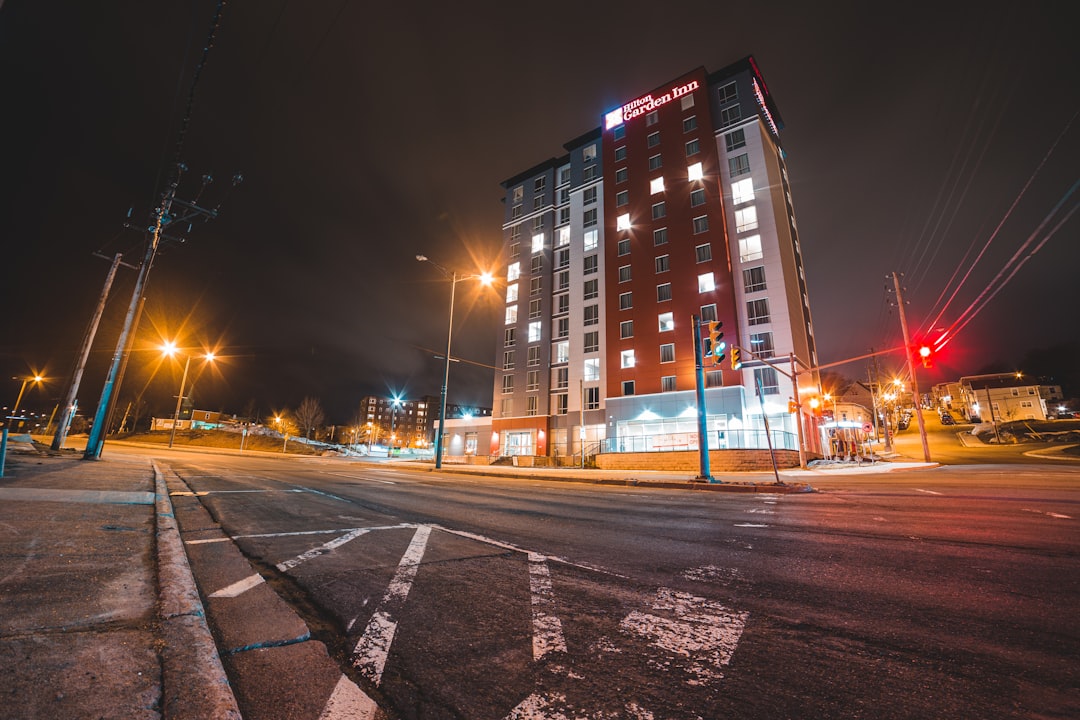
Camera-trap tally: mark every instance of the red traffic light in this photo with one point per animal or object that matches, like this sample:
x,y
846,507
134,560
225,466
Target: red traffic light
x,y
927,355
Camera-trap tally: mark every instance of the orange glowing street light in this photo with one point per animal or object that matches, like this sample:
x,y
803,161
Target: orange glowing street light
x,y
169,349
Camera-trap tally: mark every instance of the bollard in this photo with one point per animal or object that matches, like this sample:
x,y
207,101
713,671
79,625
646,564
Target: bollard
x,y
3,450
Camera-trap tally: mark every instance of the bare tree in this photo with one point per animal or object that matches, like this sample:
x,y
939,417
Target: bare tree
x,y
309,415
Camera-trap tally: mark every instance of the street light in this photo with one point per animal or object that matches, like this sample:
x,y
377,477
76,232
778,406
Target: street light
x,y
169,348
485,279
35,379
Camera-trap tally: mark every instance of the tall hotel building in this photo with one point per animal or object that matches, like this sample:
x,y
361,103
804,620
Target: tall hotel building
x,y
677,206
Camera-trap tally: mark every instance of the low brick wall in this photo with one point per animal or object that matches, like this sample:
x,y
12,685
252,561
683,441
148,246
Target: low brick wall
x,y
689,460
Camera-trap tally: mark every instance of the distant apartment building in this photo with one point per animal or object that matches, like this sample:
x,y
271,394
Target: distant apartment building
x,y
1001,397
677,207
409,423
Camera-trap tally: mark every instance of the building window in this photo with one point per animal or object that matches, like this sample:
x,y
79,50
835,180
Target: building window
x,y
667,321
729,93
735,139
562,328
621,175
619,132
519,193
714,378
687,101
513,271
562,352
622,198
592,315
628,387
589,196
655,162
591,289
667,353
754,279
624,274
620,153
626,359
534,309
564,216
622,222
592,398
534,331
667,383
515,250
693,147
706,282
591,240
766,379
589,173
589,218
626,329
762,344
654,139
656,185
746,219
663,292
652,118
757,311
560,402
538,243
659,210
536,265
592,370
562,378
506,407
509,337
511,293
689,123
532,381
701,224
534,356
508,384
750,248
663,263
588,154
538,223
562,303
695,172
562,258
626,301
659,236
703,253
739,165
532,403
592,341
590,264
538,202
516,211
742,191
730,115
535,284
697,197
511,314
708,313
508,360
623,247
539,184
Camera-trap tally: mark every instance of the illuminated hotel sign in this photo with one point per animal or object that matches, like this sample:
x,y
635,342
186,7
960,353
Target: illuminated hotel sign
x,y
647,103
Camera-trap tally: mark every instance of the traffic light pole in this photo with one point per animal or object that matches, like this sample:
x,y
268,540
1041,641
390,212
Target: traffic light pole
x,y
705,473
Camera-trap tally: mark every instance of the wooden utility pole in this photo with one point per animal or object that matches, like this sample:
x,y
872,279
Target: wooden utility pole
x,y
917,398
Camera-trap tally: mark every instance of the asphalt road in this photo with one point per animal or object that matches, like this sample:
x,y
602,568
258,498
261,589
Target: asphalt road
x,y
939,593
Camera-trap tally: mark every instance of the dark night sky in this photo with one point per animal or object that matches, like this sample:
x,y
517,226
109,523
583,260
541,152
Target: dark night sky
x,y
368,136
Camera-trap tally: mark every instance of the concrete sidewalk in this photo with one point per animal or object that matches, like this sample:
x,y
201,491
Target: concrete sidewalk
x,y
99,615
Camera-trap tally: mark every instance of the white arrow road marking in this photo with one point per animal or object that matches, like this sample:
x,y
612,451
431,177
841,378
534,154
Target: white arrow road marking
x,y
370,653
547,628
1059,516
239,587
348,702
702,631
928,492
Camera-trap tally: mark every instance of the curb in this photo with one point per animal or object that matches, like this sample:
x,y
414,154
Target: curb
x,y
194,684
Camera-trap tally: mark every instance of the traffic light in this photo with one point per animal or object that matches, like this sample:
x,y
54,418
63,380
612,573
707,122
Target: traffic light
x,y
792,407
716,341
927,356
736,358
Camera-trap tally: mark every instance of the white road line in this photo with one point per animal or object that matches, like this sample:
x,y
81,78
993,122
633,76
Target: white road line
x,y
239,587
359,477
928,492
1058,516
324,532
321,549
547,628
371,652
348,702
515,548
207,540
750,525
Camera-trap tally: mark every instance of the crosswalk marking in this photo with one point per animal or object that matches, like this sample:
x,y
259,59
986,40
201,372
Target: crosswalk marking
x,y
348,702
547,628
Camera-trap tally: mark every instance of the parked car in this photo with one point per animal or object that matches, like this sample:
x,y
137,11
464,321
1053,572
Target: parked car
x,y
947,419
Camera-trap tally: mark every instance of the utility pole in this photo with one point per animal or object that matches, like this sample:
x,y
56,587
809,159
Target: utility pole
x,y
68,403
911,367
705,473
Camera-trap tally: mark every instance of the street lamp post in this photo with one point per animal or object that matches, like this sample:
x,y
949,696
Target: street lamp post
x,y
170,350
35,379
485,279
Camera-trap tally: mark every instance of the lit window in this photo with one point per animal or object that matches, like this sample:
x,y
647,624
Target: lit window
x,y
562,351
592,369
623,222
746,219
706,282
695,172
626,359
656,185
667,321
667,353
511,314
563,237
591,240
742,191
687,101
534,331
513,271
538,242
511,293
750,248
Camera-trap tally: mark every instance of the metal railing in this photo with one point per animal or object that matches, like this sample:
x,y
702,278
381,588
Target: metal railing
x,y
718,440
